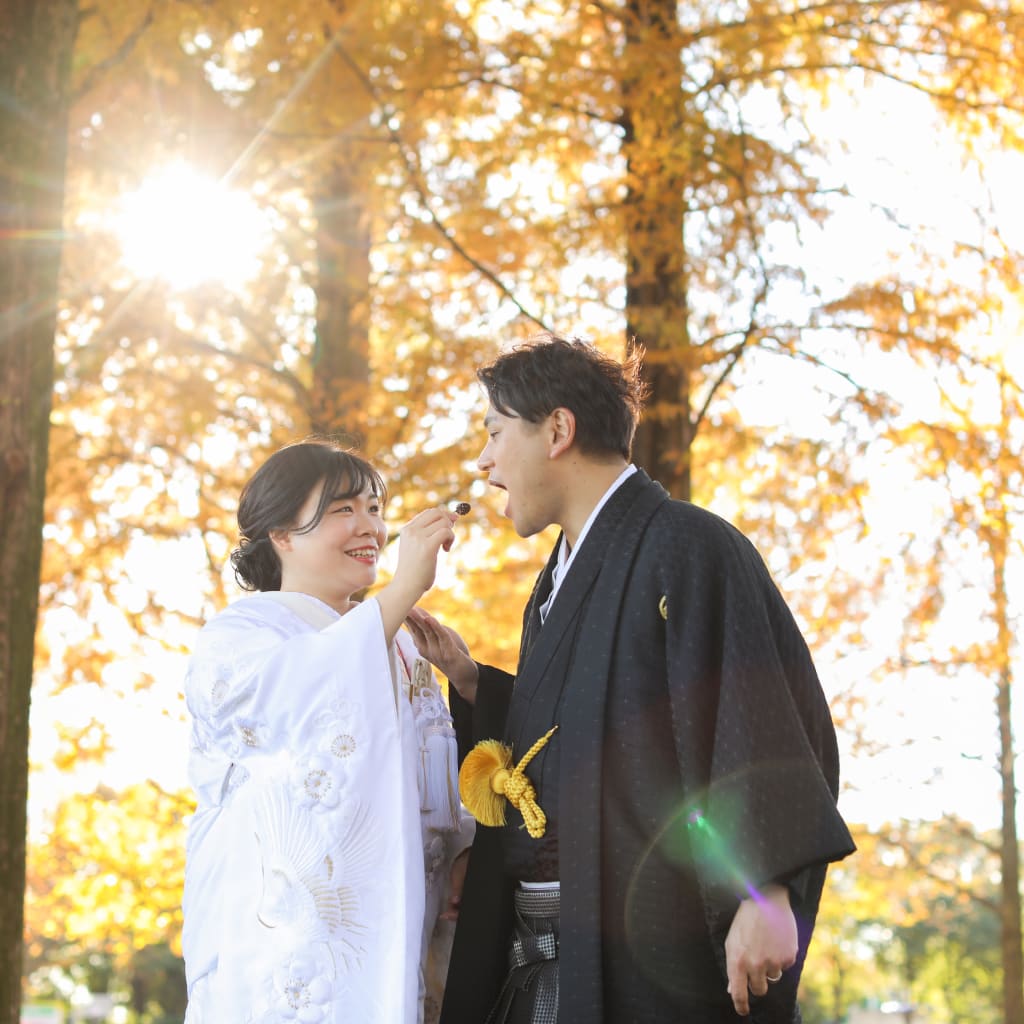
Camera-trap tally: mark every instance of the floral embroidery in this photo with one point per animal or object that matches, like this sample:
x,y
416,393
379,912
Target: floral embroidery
x,y
301,991
340,724
318,782
218,692
343,745
248,734
339,712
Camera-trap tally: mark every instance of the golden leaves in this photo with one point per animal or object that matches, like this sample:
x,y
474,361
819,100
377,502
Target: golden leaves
x,y
109,870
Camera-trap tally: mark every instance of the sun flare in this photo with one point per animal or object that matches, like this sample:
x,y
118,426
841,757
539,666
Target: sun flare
x,y
186,228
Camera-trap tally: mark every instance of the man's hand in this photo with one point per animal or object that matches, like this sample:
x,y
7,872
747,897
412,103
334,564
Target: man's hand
x,y
445,650
761,944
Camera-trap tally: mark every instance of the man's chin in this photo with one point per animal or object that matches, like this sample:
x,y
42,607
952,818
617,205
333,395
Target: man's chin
x,y
524,530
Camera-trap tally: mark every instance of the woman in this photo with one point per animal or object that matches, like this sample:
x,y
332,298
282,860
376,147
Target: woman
x,y
323,759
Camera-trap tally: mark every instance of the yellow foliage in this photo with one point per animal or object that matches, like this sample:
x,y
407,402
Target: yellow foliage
x,y
108,873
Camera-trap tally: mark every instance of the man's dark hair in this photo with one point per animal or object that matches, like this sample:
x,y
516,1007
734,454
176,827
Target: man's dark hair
x,y
275,494
546,372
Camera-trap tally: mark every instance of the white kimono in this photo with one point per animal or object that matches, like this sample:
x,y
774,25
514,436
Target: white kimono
x,y
325,770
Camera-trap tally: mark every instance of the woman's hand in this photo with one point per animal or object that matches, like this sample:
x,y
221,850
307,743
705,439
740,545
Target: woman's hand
x,y
445,650
418,545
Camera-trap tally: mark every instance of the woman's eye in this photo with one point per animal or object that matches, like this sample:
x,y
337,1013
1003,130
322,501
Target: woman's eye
x,y
342,508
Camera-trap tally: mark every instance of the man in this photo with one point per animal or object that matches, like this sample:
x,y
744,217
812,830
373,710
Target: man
x,y
689,789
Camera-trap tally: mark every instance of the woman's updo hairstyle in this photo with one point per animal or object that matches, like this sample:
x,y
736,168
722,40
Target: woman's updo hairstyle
x,y
275,494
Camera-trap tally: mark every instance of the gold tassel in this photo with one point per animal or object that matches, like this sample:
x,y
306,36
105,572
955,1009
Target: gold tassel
x,y
487,779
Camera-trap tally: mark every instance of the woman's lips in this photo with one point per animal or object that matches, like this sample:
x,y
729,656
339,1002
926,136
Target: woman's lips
x,y
366,555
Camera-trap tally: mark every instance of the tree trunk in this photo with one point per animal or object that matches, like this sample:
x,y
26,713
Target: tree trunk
x,y
341,367
36,42
997,537
656,302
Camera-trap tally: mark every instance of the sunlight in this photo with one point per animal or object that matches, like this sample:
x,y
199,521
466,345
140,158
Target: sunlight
x,y
186,228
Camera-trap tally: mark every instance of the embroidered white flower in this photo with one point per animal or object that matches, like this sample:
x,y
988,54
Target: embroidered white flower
x,y
343,745
301,991
339,713
209,681
340,729
317,781
247,735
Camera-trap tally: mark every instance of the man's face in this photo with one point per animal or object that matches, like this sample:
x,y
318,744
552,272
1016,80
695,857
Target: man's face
x,y
517,460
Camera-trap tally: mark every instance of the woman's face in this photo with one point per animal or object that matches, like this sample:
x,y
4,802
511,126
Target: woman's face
x,y
338,557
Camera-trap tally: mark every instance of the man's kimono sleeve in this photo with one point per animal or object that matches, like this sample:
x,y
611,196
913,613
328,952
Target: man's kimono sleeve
x,y
485,719
753,730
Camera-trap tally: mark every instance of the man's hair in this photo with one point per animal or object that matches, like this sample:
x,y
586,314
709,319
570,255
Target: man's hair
x,y
547,372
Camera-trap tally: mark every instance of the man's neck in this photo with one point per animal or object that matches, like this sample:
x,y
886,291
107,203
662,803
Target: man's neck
x,y
586,488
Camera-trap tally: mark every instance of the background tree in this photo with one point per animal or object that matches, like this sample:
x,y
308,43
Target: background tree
x,y
969,557
917,906
36,41
104,891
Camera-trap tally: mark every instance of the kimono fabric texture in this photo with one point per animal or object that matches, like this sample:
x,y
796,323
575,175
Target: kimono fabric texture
x,y
327,820
695,760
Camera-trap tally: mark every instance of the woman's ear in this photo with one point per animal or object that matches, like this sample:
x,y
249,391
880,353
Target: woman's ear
x,y
563,431
281,539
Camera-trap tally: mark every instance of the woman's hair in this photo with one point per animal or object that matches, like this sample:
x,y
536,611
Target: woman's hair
x,y
274,496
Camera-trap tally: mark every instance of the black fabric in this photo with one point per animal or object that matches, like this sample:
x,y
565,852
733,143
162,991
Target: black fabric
x,y
481,951
696,759
532,711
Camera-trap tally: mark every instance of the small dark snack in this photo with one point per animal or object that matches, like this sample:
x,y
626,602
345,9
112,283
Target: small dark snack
x,y
462,508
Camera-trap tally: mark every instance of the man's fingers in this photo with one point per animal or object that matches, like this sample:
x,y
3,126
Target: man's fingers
x,y
738,989
745,982
757,984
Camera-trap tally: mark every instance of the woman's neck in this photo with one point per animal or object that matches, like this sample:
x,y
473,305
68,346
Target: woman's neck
x,y
341,603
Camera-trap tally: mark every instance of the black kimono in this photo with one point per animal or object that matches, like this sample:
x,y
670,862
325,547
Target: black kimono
x,y
695,760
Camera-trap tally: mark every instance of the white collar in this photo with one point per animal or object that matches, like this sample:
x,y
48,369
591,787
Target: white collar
x,y
565,556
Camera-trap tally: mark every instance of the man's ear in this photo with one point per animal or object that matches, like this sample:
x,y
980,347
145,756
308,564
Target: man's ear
x,y
563,432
